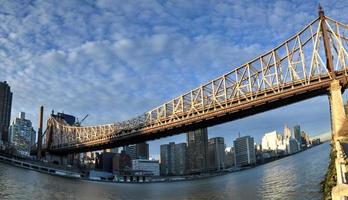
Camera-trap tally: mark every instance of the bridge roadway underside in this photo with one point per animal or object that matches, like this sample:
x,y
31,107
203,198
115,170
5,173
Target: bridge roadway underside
x,y
212,118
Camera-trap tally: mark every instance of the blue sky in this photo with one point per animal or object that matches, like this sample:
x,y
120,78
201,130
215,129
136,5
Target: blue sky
x,y
116,59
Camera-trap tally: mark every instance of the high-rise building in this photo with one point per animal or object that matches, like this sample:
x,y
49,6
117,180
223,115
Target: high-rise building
x,y
125,161
167,159
273,141
308,139
197,150
244,151
287,132
287,140
173,159
229,157
106,161
297,135
118,163
292,146
131,151
142,150
5,111
22,134
180,158
304,140
216,153
137,151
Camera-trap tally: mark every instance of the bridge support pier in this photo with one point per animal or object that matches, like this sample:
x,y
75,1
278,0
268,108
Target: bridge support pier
x,y
338,115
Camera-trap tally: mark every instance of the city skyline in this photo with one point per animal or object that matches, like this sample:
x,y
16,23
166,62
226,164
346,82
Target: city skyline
x,y
118,79
154,149
158,99
228,142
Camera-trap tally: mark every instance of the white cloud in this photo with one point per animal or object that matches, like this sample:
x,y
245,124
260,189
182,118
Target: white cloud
x,y
114,60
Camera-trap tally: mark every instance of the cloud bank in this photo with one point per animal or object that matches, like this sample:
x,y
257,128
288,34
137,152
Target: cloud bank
x,y
116,59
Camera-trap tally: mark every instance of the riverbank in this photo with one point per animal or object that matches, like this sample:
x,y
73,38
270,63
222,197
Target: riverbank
x,y
336,178
48,169
39,167
296,177
67,172
330,179
157,179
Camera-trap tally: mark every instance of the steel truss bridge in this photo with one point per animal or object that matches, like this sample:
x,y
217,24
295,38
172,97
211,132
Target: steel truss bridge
x,y
301,67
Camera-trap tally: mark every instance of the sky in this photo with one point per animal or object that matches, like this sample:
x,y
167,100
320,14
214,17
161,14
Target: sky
x,y
115,59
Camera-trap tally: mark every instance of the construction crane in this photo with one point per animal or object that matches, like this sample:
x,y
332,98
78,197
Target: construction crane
x,y
78,123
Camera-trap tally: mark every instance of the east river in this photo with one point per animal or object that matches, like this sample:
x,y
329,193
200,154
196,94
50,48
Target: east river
x,y
293,177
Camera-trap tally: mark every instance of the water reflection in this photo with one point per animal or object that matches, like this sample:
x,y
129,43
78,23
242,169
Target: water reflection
x,y
294,177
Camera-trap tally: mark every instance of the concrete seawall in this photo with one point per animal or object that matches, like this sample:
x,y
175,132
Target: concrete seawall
x,y
39,168
340,191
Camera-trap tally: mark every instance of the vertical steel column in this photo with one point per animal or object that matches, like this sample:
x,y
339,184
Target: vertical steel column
x,y
329,62
39,133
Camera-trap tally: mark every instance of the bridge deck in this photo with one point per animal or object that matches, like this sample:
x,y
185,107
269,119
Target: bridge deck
x,y
295,70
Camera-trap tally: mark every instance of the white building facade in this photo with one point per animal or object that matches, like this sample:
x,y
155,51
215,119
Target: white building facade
x,y
273,141
146,167
22,134
292,146
244,151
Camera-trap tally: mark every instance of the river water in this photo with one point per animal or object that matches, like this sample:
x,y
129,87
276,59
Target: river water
x,y
294,177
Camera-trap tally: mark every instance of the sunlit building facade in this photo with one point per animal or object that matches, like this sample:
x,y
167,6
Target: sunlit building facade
x,y
287,132
244,151
22,134
273,141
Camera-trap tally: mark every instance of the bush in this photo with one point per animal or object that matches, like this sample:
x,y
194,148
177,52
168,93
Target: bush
x,y
330,178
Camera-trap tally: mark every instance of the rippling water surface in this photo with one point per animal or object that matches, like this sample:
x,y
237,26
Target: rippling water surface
x,y
294,177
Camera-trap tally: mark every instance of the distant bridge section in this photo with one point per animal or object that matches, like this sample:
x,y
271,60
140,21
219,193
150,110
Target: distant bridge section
x,y
301,67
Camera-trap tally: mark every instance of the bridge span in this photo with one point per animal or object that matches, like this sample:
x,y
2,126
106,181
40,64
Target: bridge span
x,y
310,63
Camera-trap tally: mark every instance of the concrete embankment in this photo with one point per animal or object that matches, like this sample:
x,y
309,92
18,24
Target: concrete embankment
x,y
337,175
330,177
38,167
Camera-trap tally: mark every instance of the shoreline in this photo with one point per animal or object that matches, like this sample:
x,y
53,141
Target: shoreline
x,y
55,171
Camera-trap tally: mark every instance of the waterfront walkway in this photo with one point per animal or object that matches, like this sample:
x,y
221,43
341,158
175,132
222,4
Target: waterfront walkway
x,y
340,191
40,167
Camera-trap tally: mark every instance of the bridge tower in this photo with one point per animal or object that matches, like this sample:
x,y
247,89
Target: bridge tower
x,y
337,112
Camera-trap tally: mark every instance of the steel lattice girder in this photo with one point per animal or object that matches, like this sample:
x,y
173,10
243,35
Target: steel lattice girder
x,y
299,62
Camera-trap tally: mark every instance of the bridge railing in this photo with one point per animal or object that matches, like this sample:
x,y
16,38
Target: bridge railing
x,y
65,135
297,62
340,191
300,59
